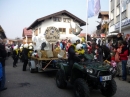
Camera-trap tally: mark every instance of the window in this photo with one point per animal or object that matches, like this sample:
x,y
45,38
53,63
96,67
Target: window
x,y
71,30
36,32
39,30
124,5
118,10
112,14
67,20
112,5
57,19
29,39
62,30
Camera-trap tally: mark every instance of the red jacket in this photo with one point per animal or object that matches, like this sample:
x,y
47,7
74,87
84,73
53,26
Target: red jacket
x,y
124,56
113,58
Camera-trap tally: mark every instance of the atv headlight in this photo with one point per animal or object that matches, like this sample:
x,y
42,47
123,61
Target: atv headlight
x,y
90,71
110,69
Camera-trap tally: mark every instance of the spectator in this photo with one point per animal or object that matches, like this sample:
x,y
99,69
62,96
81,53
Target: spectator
x,y
124,58
109,44
2,60
98,54
119,37
106,53
68,45
117,59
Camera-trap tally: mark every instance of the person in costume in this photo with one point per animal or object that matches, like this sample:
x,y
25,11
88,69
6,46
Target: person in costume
x,y
25,56
15,56
30,52
79,49
20,53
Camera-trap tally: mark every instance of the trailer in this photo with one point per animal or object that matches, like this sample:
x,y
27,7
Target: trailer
x,y
43,64
46,56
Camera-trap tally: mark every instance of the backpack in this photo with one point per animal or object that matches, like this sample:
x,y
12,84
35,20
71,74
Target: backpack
x,y
1,72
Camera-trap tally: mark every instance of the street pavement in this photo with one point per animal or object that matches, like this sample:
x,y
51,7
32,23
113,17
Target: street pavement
x,y
25,84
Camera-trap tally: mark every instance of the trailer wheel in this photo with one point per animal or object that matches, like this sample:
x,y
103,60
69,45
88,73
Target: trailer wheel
x,y
31,70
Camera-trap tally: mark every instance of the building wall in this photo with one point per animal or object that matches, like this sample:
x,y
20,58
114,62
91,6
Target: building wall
x,y
28,40
50,22
114,24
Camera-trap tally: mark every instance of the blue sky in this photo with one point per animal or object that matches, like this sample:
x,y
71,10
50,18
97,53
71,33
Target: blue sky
x,y
15,15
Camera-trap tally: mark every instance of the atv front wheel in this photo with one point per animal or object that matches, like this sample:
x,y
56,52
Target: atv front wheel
x,y
81,88
60,79
110,88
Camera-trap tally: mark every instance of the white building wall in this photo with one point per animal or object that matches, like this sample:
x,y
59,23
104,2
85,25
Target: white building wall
x,y
128,10
50,23
126,27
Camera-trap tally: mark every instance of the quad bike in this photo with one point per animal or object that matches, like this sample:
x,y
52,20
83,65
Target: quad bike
x,y
87,75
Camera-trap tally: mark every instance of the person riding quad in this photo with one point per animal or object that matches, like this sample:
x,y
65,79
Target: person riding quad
x,y
79,49
72,52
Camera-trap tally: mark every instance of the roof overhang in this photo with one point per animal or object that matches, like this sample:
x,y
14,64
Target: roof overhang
x,y
105,13
64,12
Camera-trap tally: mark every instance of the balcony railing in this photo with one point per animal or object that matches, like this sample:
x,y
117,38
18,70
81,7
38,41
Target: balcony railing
x,y
112,22
123,16
112,5
117,2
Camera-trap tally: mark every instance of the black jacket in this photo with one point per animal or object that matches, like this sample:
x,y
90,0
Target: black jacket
x,y
15,55
2,54
25,54
72,56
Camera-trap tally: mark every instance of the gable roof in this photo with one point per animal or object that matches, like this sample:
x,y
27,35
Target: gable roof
x,y
2,33
27,32
64,12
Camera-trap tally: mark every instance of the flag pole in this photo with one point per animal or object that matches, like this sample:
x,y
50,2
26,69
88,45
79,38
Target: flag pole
x,y
87,21
120,15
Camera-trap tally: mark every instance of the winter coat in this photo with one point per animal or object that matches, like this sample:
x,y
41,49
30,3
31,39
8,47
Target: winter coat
x,y
124,53
25,54
15,54
72,54
117,56
2,54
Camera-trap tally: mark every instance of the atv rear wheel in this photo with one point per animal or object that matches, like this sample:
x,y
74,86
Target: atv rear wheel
x,y
81,88
110,88
60,79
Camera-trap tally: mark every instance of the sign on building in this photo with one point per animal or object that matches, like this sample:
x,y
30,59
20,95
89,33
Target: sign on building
x,y
52,34
124,23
